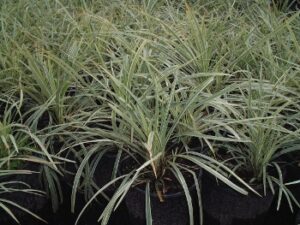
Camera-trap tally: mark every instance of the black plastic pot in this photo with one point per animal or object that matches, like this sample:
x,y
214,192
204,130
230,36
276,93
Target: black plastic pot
x,y
173,211
297,221
103,172
31,202
228,207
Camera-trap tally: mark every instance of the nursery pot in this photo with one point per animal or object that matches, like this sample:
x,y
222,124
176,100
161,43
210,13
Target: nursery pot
x,y
32,202
173,211
297,222
103,172
229,207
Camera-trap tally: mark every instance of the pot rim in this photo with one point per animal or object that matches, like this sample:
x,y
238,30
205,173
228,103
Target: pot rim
x,y
171,195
